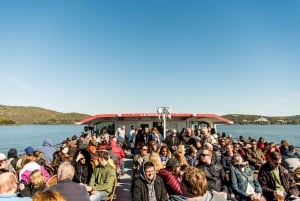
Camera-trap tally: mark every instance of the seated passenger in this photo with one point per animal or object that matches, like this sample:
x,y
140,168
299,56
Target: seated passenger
x,y
171,177
194,187
243,182
148,186
272,177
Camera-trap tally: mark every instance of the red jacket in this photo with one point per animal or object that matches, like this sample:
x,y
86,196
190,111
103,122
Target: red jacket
x,y
171,182
117,150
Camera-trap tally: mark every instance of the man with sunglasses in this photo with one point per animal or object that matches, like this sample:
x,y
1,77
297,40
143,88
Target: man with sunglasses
x,y
273,177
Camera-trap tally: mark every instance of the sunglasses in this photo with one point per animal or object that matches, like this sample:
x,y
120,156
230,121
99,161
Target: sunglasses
x,y
3,160
204,155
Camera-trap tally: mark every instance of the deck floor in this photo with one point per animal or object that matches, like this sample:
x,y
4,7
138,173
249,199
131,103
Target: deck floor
x,y
124,183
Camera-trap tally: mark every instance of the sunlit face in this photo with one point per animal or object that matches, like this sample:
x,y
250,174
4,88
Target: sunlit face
x,y
149,173
164,152
205,156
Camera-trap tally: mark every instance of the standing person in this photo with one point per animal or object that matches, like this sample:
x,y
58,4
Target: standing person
x,y
120,135
273,178
48,150
132,140
103,178
148,186
9,187
70,190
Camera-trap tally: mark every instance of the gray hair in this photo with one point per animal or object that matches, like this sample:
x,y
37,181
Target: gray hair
x,y
65,171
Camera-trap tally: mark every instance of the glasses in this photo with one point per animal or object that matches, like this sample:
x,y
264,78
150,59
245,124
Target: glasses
x,y
204,155
3,160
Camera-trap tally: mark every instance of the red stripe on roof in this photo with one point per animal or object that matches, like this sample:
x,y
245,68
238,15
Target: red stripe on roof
x,y
98,116
214,116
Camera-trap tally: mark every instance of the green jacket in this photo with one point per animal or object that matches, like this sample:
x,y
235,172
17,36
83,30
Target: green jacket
x,y
103,179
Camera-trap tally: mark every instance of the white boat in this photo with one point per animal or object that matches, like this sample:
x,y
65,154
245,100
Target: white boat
x,y
178,121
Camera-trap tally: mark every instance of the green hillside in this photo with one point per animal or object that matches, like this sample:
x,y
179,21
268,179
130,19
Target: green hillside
x,y
17,115
258,119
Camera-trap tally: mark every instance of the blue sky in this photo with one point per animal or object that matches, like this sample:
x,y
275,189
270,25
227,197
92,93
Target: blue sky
x,y
222,57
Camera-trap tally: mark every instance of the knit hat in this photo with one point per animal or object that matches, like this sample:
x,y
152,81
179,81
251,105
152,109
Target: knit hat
x,y
173,162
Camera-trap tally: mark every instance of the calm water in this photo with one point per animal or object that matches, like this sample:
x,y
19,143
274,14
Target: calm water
x,y
274,133
20,137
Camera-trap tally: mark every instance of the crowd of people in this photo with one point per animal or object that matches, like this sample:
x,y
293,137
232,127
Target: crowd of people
x,y
187,165
205,165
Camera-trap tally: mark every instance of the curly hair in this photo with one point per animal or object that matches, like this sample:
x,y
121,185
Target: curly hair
x,y
195,181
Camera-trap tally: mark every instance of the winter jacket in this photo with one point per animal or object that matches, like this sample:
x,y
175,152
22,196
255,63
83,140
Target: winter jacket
x,y
239,178
268,184
208,196
171,182
48,150
140,191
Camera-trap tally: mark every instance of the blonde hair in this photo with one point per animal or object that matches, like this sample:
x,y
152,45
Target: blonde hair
x,y
49,195
37,178
180,157
155,159
8,182
195,181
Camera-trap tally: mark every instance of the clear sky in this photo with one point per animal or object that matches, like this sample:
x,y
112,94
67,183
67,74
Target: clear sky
x,y
94,56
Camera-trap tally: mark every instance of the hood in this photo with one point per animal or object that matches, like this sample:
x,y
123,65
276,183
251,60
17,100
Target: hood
x,y
47,142
143,176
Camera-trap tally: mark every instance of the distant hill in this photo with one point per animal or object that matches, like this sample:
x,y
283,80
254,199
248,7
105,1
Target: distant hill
x,y
265,120
19,115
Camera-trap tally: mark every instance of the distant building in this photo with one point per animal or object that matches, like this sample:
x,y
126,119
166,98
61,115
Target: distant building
x,y
262,120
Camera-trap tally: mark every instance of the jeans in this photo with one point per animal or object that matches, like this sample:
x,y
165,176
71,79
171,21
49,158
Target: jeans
x,y
122,166
98,197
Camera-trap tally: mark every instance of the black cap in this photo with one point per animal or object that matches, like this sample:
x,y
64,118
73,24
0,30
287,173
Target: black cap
x,y
173,162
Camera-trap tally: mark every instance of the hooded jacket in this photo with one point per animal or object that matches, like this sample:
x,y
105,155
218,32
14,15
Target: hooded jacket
x,y
48,150
142,186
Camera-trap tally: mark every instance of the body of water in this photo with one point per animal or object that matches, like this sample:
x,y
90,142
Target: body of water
x,y
20,137
271,133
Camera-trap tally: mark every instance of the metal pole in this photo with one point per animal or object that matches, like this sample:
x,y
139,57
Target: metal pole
x,y
164,127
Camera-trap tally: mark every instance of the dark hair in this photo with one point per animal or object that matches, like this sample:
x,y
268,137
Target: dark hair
x,y
148,164
102,154
12,153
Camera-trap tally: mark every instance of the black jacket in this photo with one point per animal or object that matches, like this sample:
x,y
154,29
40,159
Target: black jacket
x,y
140,189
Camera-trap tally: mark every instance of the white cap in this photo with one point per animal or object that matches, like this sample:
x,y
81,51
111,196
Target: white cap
x,y
2,156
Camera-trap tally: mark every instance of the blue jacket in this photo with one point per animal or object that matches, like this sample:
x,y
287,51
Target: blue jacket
x,y
48,150
239,181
